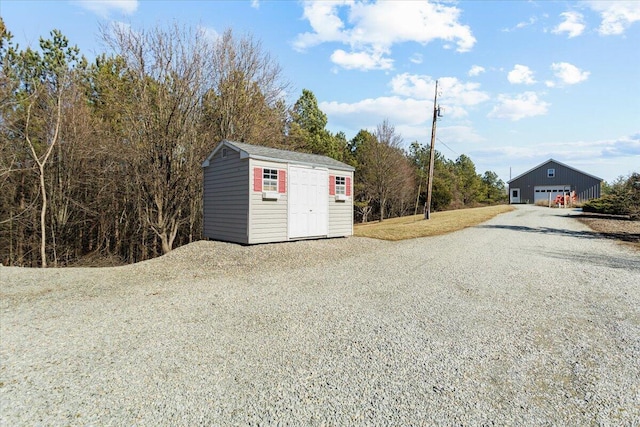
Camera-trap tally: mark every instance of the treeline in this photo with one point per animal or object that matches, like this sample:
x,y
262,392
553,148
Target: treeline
x,y
101,162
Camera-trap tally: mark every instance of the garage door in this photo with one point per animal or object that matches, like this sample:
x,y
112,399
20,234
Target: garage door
x,y
308,202
543,192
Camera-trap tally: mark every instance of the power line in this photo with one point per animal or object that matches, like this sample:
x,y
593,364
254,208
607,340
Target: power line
x,y
453,151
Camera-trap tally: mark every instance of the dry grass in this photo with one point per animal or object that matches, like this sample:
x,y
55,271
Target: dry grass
x,y
410,227
615,227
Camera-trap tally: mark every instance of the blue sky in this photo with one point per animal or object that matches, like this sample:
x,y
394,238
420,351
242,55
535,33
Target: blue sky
x,y
520,81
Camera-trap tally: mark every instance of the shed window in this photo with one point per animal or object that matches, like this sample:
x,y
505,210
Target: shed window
x,y
551,173
341,185
269,180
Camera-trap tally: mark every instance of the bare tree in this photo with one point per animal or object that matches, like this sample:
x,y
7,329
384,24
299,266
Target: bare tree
x,y
245,99
382,162
168,71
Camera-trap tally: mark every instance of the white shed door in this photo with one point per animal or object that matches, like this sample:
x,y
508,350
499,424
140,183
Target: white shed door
x,y
308,202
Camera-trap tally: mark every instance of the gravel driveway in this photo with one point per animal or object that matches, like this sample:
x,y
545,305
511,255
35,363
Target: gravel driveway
x,y
527,319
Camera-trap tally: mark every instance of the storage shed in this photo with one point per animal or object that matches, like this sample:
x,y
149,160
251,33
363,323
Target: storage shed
x,y
255,194
550,179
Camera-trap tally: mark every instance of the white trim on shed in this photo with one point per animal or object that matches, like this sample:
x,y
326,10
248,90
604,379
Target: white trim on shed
x,y
286,195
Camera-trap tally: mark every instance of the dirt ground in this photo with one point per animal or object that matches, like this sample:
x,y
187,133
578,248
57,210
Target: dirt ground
x,y
615,227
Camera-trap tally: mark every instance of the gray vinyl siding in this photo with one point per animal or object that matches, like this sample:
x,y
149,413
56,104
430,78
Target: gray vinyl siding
x,y
226,198
585,186
267,218
341,213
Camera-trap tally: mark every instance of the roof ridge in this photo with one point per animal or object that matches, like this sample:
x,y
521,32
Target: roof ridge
x,y
263,152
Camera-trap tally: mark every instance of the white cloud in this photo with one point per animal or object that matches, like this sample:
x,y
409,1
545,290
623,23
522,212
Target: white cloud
x,y
105,7
416,58
573,24
255,4
476,70
118,27
209,33
521,25
368,113
410,117
524,24
568,74
325,22
457,92
616,16
361,60
381,107
453,111
454,96
458,135
373,28
516,108
622,147
521,74
413,85
411,103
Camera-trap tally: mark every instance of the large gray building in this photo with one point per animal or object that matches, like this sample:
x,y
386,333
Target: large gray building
x,y
551,178
255,194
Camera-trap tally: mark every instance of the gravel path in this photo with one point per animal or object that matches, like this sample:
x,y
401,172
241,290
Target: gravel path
x,y
527,319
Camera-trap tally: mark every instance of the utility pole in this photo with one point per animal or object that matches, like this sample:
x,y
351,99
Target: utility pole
x,y
432,155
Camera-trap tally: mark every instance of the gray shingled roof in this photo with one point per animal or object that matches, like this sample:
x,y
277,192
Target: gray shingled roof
x,y
267,153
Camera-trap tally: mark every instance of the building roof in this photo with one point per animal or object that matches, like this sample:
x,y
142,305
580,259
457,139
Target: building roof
x,y
273,154
555,161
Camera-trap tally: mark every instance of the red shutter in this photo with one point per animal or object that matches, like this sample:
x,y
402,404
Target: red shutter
x,y
257,179
348,190
332,185
282,181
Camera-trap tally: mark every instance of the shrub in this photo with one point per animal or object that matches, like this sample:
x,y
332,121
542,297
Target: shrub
x,y
629,195
623,199
604,205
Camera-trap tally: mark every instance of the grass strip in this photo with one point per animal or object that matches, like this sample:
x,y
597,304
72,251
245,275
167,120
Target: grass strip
x,y
413,226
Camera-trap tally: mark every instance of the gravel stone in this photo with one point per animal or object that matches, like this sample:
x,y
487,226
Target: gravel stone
x,y
527,319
